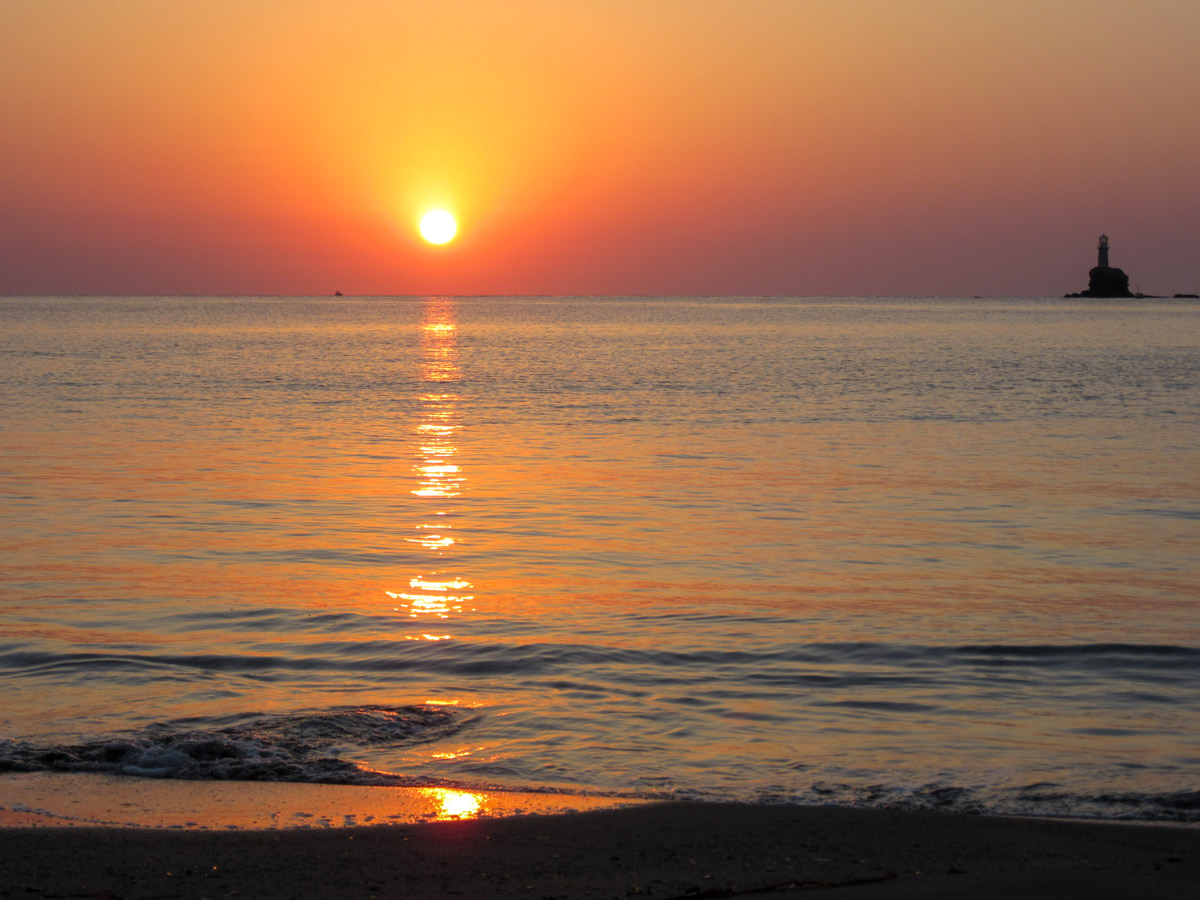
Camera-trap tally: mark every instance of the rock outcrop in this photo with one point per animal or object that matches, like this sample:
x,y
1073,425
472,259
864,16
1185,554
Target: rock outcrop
x,y
1105,281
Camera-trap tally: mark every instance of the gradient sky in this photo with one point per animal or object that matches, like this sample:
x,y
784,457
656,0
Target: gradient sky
x,y
791,147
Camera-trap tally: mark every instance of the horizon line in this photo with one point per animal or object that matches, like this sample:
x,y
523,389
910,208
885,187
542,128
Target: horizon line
x,y
631,296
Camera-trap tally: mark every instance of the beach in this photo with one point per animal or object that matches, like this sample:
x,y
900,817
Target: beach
x,y
658,850
616,449
675,450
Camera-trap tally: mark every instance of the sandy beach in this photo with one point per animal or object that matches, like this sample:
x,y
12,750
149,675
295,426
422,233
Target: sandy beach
x,y
664,850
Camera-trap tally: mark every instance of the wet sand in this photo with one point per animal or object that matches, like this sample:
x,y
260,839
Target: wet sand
x,y
668,850
40,799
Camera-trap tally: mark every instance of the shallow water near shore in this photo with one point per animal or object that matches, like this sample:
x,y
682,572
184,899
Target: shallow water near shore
x,y
931,553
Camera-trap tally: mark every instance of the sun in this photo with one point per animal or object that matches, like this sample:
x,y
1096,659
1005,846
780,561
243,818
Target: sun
x,y
438,226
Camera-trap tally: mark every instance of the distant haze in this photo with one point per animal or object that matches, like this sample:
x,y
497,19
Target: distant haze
x,y
871,147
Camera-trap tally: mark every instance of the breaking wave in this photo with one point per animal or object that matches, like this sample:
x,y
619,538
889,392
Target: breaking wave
x,y
305,747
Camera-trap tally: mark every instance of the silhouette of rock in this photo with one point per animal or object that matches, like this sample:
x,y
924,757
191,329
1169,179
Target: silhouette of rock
x,y
1105,281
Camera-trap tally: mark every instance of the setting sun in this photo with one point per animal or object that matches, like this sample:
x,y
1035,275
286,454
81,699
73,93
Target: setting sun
x,y
438,226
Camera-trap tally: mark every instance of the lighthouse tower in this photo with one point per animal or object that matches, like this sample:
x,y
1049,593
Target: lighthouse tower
x,y
1103,280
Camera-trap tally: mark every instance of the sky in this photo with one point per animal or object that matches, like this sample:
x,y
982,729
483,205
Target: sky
x,y
652,147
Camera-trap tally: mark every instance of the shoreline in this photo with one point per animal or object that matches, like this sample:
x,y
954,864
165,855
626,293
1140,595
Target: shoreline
x,y
664,849
84,800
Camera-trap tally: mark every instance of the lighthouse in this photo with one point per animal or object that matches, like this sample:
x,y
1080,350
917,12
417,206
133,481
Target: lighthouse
x,y
1104,280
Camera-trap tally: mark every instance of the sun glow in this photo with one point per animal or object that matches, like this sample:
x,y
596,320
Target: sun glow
x,y
438,226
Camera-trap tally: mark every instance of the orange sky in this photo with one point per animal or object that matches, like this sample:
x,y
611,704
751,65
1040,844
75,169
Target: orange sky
x,y
795,147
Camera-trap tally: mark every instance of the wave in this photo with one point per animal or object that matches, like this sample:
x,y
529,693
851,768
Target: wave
x,y
304,747
318,746
1135,670
1043,800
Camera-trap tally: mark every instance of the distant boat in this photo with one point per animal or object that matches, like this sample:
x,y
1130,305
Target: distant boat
x,y
337,293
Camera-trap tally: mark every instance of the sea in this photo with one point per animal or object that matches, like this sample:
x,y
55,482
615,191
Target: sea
x,y
938,553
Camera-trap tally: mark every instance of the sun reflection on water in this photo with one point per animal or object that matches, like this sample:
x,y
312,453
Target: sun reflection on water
x,y
438,477
433,598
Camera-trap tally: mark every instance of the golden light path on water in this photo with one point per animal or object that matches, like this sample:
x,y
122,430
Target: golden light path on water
x,y
438,477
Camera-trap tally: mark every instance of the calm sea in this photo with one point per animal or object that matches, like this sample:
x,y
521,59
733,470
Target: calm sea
x,y
936,553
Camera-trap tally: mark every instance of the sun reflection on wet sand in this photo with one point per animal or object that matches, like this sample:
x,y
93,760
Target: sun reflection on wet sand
x,y
455,804
57,799
438,476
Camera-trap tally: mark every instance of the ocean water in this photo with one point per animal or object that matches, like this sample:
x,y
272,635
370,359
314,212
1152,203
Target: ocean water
x,y
932,553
